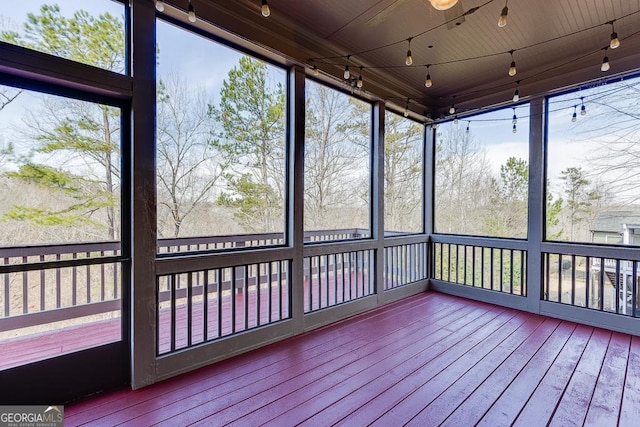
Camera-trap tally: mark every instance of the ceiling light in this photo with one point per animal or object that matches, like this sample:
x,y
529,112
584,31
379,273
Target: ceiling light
x,y
428,82
605,62
502,21
615,41
191,13
512,68
409,59
160,6
265,9
443,4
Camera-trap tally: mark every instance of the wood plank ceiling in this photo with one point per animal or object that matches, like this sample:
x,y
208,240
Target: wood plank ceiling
x,y
555,44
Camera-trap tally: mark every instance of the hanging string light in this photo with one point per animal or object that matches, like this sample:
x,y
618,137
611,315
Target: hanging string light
x,y
515,118
615,41
360,83
516,94
191,13
406,109
583,109
452,109
574,117
265,9
409,59
605,62
468,129
502,21
347,74
512,68
428,82
160,6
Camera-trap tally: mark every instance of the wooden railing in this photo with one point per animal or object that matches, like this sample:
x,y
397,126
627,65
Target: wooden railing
x,y
47,283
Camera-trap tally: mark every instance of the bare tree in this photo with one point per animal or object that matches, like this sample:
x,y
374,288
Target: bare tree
x,y
462,181
403,190
188,166
330,156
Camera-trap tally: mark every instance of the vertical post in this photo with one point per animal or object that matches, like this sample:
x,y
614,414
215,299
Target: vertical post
x,y
537,201
295,216
428,197
143,203
377,196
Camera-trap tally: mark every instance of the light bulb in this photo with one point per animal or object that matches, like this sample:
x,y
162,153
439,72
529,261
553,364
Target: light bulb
x,y
605,64
468,130
615,41
516,96
265,9
452,109
346,74
160,6
574,117
515,128
502,21
514,120
443,4
360,83
315,70
409,59
191,13
428,82
512,69
583,110
406,112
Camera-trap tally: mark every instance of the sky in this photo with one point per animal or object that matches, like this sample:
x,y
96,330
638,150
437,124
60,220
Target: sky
x,y
205,64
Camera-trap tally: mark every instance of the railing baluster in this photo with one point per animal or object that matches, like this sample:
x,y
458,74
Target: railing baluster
x,y
587,282
233,300
601,286
618,286
88,284
219,302
25,289
634,288
245,290
172,335
190,307
205,306
42,286
573,280
7,299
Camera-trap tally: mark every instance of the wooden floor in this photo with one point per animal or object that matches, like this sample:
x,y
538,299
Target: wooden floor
x,y
427,360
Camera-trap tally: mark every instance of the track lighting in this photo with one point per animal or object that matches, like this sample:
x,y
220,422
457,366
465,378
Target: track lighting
x,y
428,82
615,41
512,68
502,21
443,4
265,9
160,6
191,13
409,58
605,62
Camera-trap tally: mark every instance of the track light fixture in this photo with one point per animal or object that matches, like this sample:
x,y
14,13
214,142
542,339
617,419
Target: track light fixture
x,y
191,13
409,59
502,21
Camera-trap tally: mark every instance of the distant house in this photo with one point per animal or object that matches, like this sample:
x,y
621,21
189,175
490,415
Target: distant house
x,y
617,227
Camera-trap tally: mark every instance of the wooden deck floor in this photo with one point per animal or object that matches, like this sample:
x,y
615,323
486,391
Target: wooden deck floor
x,y
427,360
